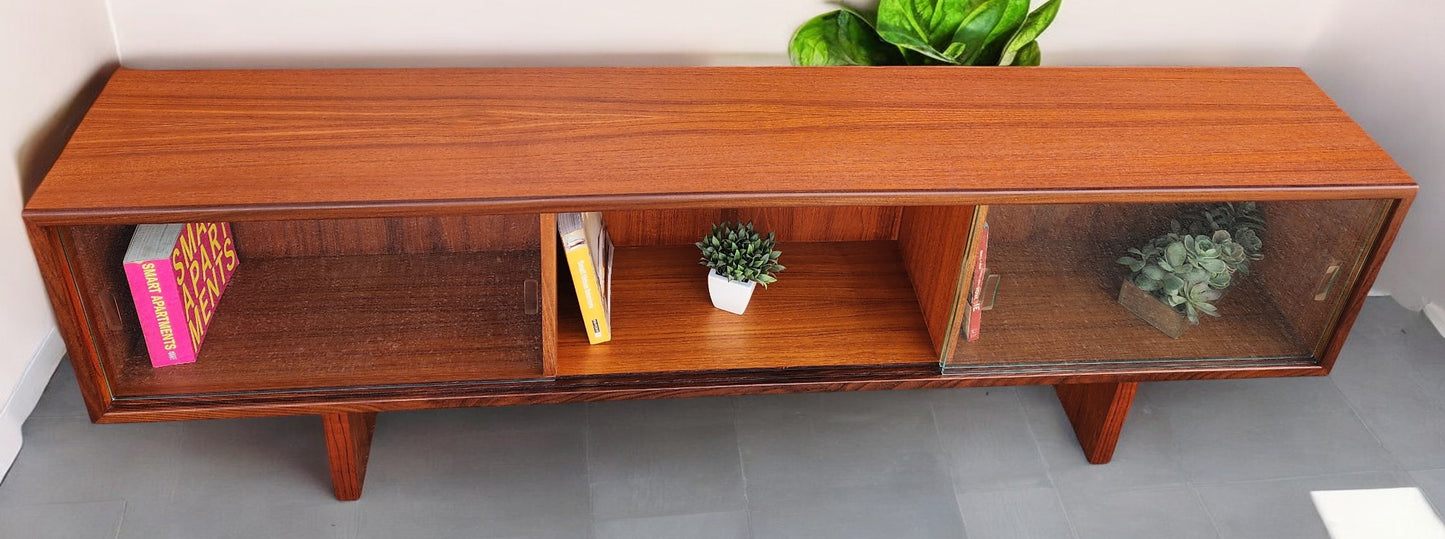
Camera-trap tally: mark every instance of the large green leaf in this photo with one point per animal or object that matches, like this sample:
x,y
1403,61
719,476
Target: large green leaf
x,y
988,28
1014,14
1037,22
841,37
869,16
1029,55
973,32
925,26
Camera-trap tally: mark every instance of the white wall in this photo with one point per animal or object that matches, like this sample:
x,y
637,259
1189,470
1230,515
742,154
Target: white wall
x,y
1182,32
48,50
316,33
291,33
1381,62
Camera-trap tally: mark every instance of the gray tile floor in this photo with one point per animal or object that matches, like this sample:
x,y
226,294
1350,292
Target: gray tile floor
x,y
1196,459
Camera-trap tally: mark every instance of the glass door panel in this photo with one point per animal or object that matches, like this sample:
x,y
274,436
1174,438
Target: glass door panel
x,y
1076,285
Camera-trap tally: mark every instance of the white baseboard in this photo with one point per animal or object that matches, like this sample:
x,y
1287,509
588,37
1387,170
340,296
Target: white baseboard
x,y
1436,313
22,401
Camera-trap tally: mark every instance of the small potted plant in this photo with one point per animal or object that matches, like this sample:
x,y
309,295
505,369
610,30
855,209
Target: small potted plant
x,y
739,258
1178,275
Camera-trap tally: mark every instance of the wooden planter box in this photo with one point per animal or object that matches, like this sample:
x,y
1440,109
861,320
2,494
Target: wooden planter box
x,y
1149,309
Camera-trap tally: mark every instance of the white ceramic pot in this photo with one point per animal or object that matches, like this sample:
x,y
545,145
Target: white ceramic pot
x,y
729,295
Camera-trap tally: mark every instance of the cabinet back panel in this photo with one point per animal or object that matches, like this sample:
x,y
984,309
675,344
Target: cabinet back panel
x,y
326,321
640,228
409,235
1079,222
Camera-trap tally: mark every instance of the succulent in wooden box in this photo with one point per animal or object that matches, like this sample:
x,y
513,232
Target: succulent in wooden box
x,y
740,253
1190,267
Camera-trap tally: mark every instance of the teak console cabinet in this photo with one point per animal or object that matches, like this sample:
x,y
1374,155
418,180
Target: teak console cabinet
x,y
398,250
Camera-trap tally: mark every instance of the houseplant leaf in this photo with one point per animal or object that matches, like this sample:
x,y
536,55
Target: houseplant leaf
x,y
986,30
923,26
1174,253
842,37
1035,24
1029,56
1013,17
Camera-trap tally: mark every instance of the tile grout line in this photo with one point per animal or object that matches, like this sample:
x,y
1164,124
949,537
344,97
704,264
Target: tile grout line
x,y
742,467
1193,485
1213,484
1213,522
1176,448
120,523
587,467
355,531
1439,509
948,454
1355,412
1048,468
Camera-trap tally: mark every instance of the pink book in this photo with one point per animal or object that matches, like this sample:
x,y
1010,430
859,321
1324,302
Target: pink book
x,y
177,273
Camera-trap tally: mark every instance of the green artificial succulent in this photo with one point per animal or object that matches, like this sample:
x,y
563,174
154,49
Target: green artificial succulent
x,y
1190,267
738,252
925,32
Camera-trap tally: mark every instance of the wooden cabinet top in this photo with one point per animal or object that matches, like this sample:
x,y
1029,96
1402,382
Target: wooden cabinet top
x,y
174,145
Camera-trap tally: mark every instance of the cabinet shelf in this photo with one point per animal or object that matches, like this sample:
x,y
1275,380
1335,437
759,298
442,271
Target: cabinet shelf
x,y
838,303
1057,305
354,321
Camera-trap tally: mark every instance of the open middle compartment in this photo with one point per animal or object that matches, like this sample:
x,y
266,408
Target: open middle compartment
x,y
864,286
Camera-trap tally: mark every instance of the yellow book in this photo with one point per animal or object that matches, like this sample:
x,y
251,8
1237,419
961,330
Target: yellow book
x,y
589,259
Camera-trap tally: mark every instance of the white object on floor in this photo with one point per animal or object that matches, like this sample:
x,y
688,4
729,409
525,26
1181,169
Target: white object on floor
x,y
14,410
729,295
1436,313
1382,513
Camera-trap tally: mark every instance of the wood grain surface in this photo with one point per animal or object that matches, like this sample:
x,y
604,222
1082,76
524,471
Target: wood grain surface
x,y
841,303
669,386
1349,309
391,142
679,226
635,228
69,306
1057,302
348,448
1302,241
1097,413
935,242
349,321
343,237
547,287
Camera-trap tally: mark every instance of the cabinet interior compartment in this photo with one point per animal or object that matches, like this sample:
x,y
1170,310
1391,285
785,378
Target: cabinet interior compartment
x,y
864,286
337,303
1056,305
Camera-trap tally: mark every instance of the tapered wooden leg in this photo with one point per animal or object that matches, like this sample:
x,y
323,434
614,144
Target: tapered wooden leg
x,y
348,444
1097,412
